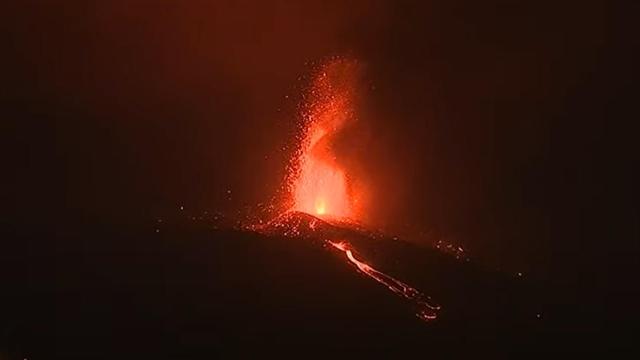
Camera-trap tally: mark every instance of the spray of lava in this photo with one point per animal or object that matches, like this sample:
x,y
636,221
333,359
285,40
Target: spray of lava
x,y
318,184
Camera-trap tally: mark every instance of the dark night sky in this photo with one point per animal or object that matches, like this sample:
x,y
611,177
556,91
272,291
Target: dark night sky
x,y
506,126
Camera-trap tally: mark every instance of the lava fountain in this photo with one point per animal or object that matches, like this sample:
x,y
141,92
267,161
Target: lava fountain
x,y
318,183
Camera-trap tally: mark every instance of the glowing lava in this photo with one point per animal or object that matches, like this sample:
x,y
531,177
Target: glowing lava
x,y
424,310
320,206
318,183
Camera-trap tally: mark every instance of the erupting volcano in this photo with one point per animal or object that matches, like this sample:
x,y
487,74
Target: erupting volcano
x,y
321,187
242,179
319,184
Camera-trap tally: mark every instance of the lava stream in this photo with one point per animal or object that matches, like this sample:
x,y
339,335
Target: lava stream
x,y
425,310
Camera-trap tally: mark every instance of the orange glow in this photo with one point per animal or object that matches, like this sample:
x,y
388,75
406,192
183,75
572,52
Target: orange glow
x,y
319,184
320,206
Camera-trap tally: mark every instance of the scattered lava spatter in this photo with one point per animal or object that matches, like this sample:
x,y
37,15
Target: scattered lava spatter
x,y
424,309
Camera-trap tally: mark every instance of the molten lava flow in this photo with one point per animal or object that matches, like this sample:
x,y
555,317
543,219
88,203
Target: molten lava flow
x,y
318,183
425,310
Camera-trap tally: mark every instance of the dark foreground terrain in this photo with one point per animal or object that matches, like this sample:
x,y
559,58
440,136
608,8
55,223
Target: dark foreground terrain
x,y
183,289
